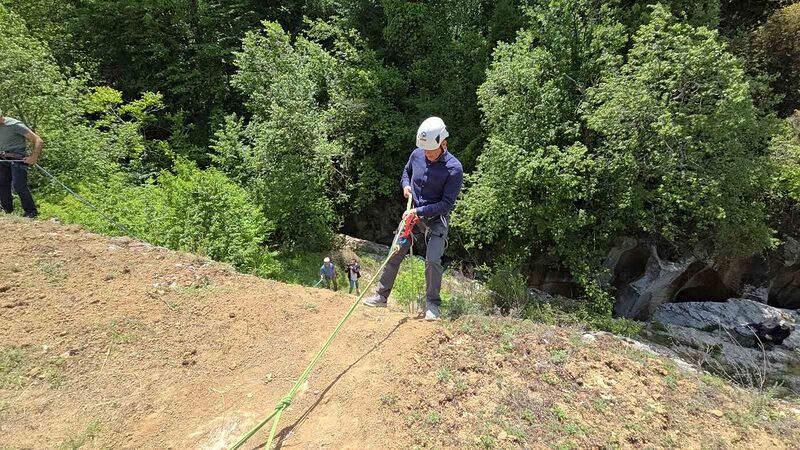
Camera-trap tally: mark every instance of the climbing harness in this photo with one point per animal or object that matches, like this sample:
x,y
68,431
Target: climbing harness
x,y
11,157
284,402
409,221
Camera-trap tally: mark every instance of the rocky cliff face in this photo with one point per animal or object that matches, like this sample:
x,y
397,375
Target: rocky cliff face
x,y
784,288
643,280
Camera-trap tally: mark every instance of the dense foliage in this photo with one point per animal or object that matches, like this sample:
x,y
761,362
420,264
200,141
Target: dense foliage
x,y
180,211
776,47
238,129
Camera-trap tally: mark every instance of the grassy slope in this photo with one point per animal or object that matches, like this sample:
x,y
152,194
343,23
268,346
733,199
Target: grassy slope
x,y
505,383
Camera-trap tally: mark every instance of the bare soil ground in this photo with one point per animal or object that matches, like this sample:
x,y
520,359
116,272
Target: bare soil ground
x,y
112,343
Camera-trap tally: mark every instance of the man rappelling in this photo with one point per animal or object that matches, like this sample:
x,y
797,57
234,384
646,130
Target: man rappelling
x,y
433,177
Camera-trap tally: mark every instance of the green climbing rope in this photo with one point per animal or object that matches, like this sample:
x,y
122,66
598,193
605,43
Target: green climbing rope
x,y
287,399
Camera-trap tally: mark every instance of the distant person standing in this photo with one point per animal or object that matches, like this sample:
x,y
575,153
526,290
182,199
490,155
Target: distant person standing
x,y
14,162
353,274
327,274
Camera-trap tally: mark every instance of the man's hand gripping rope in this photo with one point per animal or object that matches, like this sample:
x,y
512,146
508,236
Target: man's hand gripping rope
x,y
410,220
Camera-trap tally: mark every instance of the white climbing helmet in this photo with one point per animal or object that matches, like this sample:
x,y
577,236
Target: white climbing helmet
x,y
431,133
326,260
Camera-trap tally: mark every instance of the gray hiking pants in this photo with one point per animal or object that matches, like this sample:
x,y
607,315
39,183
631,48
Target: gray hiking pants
x,y
435,232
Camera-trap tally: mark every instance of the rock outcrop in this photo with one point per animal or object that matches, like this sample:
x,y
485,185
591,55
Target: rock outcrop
x,y
643,280
784,289
750,342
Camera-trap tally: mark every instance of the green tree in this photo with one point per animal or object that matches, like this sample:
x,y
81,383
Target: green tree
x,y
442,49
125,125
34,90
291,159
32,86
695,12
180,48
538,186
322,114
680,111
776,48
746,14
784,199
358,115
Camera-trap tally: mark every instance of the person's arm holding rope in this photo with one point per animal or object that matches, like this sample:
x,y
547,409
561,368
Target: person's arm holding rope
x,y
38,144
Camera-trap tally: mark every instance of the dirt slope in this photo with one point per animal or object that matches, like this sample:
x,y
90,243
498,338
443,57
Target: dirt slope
x,y
111,343
157,349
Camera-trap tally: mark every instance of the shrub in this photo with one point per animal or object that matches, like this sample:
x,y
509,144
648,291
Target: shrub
x,y
508,287
409,286
192,210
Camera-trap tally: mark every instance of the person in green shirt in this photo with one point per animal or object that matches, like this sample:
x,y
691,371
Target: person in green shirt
x,y
14,162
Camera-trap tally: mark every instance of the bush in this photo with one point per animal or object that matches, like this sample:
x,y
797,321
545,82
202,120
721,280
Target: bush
x,y
620,326
192,210
509,289
211,215
409,286
136,208
457,305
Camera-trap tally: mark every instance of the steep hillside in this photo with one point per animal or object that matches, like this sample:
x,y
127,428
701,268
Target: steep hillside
x,y
112,343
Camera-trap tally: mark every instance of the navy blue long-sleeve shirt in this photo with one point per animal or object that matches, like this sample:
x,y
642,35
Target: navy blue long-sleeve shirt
x,y
434,185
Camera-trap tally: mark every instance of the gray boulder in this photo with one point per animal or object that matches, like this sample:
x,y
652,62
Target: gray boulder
x,y
360,246
784,291
751,323
724,355
712,315
790,252
643,280
793,341
741,339
784,287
